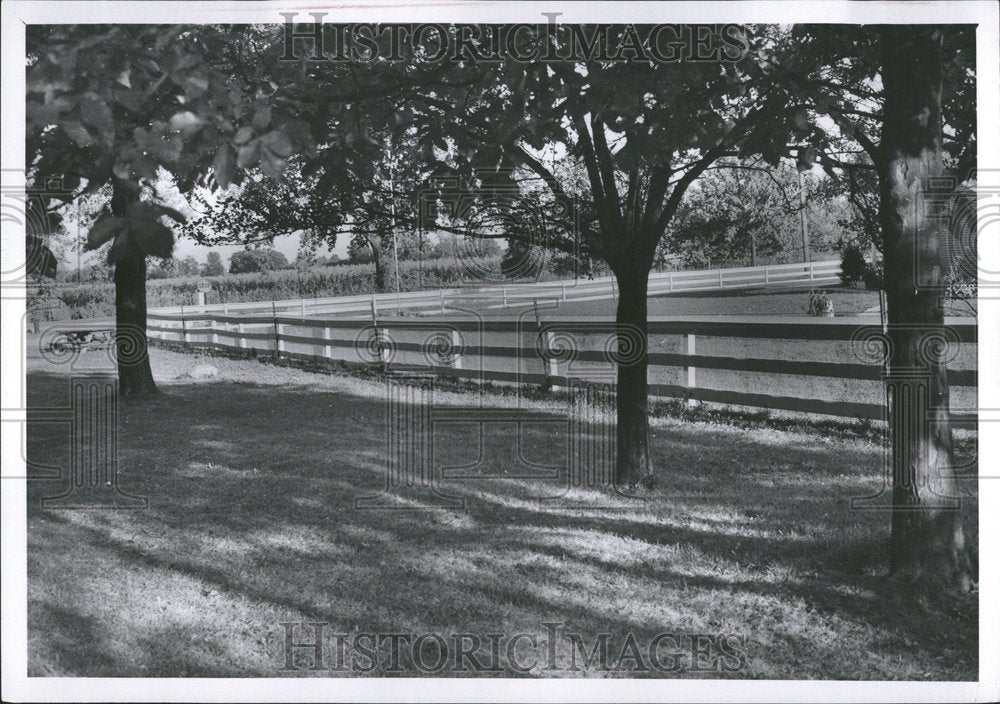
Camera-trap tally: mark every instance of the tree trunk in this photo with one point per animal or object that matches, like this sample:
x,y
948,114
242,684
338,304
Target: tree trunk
x,y
632,466
135,378
927,541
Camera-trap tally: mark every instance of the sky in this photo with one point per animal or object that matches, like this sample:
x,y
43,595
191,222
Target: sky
x,y
286,244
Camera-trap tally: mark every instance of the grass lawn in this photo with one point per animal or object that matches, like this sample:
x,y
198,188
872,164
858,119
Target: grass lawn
x,y
252,478
755,301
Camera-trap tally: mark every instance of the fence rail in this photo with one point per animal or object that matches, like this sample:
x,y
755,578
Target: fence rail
x,y
825,366
501,296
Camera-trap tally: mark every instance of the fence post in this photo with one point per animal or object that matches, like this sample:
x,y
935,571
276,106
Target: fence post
x,y
564,290
225,308
456,344
184,332
670,281
378,333
767,274
302,304
241,330
215,334
692,381
503,289
553,364
277,331
812,270
720,278
441,297
328,348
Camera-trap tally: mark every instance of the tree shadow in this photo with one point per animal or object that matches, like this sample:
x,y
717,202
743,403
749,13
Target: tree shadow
x,y
252,491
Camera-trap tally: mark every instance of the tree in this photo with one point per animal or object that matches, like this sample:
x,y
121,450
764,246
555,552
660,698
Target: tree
x,y
110,106
742,210
642,132
135,232
213,265
40,223
522,260
905,96
254,260
927,539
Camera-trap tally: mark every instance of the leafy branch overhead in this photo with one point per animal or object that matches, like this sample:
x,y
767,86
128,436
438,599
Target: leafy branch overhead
x,y
138,233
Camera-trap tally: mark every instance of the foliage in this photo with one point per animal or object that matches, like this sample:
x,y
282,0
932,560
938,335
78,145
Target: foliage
x,y
820,303
852,265
746,212
255,260
137,233
522,260
213,265
874,275
98,299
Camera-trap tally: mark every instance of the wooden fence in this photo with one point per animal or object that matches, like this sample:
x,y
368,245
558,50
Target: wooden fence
x,y
829,366
824,273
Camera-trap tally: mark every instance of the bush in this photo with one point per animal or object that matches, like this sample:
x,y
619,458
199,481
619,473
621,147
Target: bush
x,y
852,266
254,260
820,304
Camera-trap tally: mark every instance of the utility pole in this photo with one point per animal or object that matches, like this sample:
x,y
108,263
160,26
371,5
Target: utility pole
x,y
803,221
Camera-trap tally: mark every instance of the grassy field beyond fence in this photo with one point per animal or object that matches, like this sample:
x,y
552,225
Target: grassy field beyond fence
x,y
95,300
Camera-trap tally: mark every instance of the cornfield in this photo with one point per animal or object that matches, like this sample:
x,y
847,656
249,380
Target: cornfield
x,y
60,302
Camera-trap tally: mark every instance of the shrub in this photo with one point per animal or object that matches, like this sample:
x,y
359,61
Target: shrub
x,y
820,304
253,260
852,266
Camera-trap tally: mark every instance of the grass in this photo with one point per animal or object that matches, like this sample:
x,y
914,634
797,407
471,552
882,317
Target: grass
x,y
791,301
252,479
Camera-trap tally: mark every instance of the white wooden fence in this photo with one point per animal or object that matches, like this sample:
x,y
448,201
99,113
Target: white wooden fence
x,y
815,365
519,295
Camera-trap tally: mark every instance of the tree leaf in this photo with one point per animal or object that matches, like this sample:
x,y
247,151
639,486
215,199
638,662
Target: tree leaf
x,y
144,210
272,164
248,155
243,135
186,122
153,238
278,143
121,248
106,227
262,118
97,114
223,166
196,85
78,133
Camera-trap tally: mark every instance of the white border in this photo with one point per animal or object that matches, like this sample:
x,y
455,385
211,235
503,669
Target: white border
x,y
17,687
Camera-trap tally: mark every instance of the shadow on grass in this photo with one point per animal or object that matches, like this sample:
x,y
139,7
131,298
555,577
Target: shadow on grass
x,y
252,522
